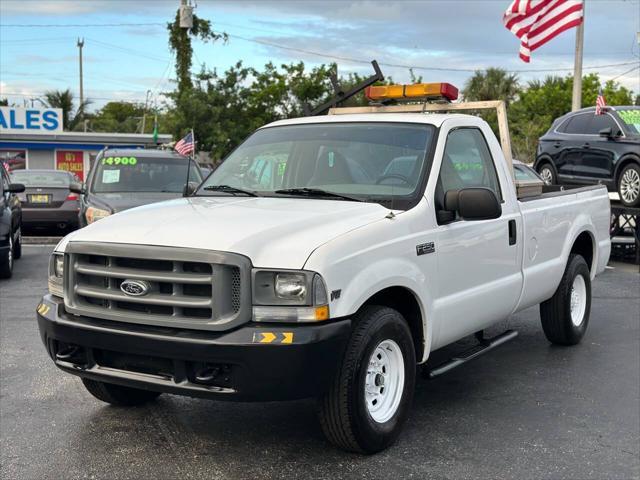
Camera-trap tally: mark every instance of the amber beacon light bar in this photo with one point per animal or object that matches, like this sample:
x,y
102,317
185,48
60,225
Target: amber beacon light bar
x,y
417,90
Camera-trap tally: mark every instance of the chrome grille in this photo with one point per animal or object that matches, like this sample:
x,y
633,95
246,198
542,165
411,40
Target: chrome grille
x,y
186,288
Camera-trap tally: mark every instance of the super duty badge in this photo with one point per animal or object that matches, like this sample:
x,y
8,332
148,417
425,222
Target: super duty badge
x,y
425,248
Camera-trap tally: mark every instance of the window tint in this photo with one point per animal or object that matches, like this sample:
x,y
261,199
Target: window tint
x,y
598,122
577,124
467,162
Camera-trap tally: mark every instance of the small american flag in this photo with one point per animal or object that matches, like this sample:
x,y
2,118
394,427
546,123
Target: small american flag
x,y
535,22
600,103
186,145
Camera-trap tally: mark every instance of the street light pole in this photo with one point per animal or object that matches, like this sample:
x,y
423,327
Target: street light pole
x,y
80,45
576,101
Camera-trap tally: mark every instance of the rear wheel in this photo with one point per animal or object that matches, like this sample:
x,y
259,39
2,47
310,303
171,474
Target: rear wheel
x,y
6,259
629,185
117,394
565,316
547,173
369,401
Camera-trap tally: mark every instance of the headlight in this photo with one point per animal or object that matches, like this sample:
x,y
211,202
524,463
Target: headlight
x,y
56,274
94,214
293,296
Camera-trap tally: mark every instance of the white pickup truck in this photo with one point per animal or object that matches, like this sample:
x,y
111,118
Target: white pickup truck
x,y
326,257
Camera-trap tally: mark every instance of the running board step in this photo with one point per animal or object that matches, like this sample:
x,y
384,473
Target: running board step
x,y
484,346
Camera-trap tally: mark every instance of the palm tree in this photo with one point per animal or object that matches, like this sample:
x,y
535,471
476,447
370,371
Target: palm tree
x,y
64,100
492,84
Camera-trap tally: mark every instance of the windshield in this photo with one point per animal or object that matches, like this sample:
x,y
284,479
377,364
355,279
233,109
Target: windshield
x,y
33,178
140,174
631,118
376,162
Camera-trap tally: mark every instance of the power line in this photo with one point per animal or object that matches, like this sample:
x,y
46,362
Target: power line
x,y
79,25
623,74
414,67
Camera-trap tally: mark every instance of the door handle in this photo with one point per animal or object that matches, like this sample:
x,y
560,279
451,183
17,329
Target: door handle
x,y
512,232
557,144
587,145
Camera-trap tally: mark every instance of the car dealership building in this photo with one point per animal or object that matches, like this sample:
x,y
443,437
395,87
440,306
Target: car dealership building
x,y
32,138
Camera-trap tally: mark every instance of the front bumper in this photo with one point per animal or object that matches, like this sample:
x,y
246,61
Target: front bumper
x,y
253,362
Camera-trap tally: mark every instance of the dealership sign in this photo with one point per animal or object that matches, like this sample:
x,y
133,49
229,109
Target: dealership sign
x,y
30,120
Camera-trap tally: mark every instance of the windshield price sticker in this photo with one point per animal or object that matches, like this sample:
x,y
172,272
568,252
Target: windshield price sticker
x,y
119,161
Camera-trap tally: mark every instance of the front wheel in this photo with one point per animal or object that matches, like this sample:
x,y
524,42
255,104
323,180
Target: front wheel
x,y
369,401
565,316
6,259
17,246
547,174
629,185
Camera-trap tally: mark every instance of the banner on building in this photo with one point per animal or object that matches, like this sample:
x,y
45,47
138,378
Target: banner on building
x,y
71,161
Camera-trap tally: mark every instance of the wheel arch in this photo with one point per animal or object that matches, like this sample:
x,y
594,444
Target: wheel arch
x,y
584,244
623,162
406,302
541,160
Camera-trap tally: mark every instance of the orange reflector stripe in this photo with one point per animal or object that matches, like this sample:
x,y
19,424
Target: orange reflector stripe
x,y
322,313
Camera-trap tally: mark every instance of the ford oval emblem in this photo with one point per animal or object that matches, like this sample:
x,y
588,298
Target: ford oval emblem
x,y
135,288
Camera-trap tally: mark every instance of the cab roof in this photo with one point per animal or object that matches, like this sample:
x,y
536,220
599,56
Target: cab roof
x,y
435,119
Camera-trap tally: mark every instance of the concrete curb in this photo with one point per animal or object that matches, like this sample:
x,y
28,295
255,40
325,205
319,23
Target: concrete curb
x,y
40,240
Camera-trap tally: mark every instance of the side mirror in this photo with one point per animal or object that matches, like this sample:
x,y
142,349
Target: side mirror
x,y
77,187
473,203
606,132
15,188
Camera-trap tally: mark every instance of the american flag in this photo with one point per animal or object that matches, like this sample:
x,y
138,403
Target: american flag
x,y
535,22
600,103
186,145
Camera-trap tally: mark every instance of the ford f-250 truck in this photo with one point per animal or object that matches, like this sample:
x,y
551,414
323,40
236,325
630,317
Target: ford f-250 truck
x,y
326,257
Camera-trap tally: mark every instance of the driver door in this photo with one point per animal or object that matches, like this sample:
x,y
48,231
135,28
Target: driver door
x,y
479,275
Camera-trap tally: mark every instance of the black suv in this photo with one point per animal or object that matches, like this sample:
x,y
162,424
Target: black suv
x,y
584,148
10,222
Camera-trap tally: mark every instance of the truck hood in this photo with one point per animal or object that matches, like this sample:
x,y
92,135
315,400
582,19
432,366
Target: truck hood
x,y
272,232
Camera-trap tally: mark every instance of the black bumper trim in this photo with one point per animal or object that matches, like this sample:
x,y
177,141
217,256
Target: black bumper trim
x,y
299,361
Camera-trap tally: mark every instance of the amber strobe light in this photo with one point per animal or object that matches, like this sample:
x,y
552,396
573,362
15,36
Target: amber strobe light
x,y
417,90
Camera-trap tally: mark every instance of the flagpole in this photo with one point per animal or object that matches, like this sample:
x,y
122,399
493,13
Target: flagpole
x,y
576,101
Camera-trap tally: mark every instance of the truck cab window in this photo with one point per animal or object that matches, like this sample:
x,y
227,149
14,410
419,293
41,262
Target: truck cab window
x,y
466,162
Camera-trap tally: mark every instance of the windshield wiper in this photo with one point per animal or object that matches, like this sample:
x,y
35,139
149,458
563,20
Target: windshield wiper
x,y
316,192
230,189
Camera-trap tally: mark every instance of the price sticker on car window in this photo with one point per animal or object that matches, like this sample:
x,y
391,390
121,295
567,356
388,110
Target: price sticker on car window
x,y
110,176
119,161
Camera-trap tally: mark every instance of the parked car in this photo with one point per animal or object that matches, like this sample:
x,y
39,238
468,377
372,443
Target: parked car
x,y
120,179
48,200
10,223
324,284
523,172
585,149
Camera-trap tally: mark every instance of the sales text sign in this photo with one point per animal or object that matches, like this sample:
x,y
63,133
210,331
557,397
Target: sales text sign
x,y
30,120
71,162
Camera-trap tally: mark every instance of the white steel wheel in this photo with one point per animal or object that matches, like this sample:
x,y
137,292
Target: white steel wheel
x,y
578,300
384,382
547,175
630,185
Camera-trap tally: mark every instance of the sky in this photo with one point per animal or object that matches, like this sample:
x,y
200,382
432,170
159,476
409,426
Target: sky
x,y
444,40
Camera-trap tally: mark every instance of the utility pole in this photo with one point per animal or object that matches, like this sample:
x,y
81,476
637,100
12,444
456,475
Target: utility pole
x,y
576,101
80,45
144,112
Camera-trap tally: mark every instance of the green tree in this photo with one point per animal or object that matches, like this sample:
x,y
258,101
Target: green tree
x,y
492,84
120,117
64,100
4,102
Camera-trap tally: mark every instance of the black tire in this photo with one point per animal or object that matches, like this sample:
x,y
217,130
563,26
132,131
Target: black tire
x,y
555,313
117,394
6,259
343,412
550,177
17,246
628,186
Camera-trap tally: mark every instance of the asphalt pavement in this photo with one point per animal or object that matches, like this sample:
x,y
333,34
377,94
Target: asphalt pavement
x,y
527,410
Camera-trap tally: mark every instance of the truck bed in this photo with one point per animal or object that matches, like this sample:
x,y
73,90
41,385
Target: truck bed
x,y
552,221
